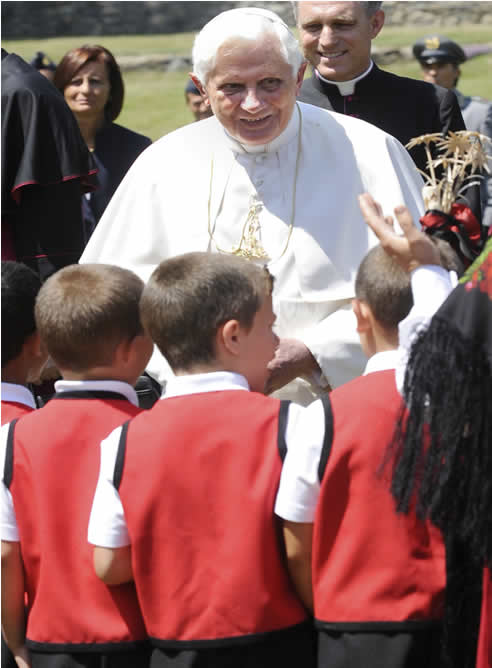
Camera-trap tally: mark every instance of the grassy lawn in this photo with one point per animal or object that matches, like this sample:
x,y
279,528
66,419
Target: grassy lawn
x,y
154,100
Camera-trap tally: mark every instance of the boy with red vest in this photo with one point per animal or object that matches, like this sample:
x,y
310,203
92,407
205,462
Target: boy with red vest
x,y
22,355
88,320
191,484
377,577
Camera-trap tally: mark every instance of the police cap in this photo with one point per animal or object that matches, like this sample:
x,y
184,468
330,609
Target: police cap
x,y
42,62
191,88
438,49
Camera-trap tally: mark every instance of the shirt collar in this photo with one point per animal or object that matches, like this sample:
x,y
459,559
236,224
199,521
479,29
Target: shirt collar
x,y
216,381
283,139
98,386
346,87
18,394
383,361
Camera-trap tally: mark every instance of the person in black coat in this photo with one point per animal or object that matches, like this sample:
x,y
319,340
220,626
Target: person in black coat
x,y
336,39
46,168
91,82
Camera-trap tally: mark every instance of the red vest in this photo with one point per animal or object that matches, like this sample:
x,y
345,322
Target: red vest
x,y
484,654
198,487
56,457
14,409
370,564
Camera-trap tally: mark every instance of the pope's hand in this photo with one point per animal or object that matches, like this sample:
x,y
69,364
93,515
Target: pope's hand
x,y
292,359
411,250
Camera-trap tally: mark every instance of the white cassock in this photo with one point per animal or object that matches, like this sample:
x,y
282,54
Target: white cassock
x,y
192,190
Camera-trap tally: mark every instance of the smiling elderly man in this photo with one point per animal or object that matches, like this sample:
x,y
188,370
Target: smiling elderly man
x,y
270,179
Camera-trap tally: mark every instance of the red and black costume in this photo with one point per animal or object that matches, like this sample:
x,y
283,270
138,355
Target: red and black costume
x,y
208,566
444,455
51,469
378,577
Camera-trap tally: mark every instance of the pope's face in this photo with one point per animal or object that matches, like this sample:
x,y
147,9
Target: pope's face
x,y
252,89
336,37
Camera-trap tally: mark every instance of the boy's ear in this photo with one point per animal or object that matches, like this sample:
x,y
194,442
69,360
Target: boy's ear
x,y
136,351
32,345
37,355
36,348
228,338
363,315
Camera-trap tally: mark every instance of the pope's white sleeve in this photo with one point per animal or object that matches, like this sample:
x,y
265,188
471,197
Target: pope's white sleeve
x,y
8,523
334,341
107,524
430,287
299,485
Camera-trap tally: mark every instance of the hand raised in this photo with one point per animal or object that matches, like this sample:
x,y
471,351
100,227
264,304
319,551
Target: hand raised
x,y
410,250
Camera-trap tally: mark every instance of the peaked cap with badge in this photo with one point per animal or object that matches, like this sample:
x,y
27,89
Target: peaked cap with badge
x,y
438,49
42,62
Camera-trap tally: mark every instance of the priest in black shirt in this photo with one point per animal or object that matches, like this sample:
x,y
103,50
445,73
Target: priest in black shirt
x,y
336,39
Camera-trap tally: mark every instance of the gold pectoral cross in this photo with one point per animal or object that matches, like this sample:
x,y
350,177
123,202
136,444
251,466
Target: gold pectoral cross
x,y
250,246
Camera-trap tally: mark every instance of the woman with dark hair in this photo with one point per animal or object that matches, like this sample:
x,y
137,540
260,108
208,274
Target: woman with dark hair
x,y
91,82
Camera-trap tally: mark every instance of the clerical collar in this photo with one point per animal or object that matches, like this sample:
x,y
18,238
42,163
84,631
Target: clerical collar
x,y
282,140
346,87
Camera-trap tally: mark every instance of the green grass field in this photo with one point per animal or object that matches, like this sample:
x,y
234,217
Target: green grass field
x,y
154,100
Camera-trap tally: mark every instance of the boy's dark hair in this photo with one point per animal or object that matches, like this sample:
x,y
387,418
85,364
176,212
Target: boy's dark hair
x,y
188,297
20,286
83,312
385,287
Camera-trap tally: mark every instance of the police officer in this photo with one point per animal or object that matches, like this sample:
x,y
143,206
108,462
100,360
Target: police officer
x,y
196,103
440,59
44,65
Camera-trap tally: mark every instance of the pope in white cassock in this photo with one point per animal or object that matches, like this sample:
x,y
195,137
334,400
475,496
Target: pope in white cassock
x,y
269,178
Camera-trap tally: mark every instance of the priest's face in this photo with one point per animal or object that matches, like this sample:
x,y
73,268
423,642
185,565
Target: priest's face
x,y
252,89
336,37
